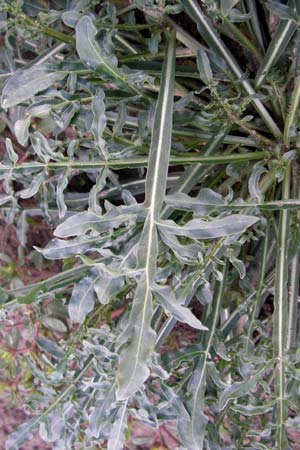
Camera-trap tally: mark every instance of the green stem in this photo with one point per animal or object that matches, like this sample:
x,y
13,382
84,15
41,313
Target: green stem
x,y
261,285
294,108
281,314
192,158
294,273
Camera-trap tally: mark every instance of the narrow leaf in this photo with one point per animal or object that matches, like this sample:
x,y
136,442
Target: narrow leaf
x,y
99,121
199,229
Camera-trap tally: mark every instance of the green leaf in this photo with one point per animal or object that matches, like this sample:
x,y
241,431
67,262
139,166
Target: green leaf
x,y
99,122
61,186
284,12
100,415
24,85
199,229
282,36
61,249
254,179
237,390
171,306
107,287
204,68
10,151
81,223
54,324
202,204
134,359
34,186
82,300
92,54
253,410
133,366
50,347
23,434
116,438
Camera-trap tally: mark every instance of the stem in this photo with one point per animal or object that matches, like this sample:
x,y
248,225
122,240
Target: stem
x,y
261,285
280,314
193,158
294,274
294,107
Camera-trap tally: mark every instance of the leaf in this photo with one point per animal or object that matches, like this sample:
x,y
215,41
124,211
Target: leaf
x,y
116,438
237,390
29,298
54,324
99,121
254,188
107,287
60,248
92,54
80,223
10,151
27,83
22,228
50,347
169,303
42,148
199,229
174,359
202,204
34,186
185,253
133,369
282,36
52,428
82,300
252,410
21,436
100,414
204,68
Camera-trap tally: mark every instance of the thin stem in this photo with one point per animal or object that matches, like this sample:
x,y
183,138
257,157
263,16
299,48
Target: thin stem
x,y
261,285
280,314
294,273
192,158
294,108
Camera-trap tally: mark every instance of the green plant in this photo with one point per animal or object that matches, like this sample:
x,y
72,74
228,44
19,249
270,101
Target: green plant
x,y
171,180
